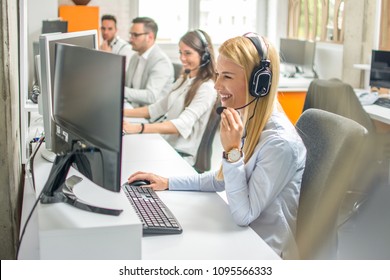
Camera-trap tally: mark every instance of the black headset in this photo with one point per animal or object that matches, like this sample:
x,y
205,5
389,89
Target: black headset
x,y
261,76
205,59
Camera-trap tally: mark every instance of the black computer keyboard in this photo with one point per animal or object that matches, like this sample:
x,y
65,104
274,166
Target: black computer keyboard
x,y
382,101
154,214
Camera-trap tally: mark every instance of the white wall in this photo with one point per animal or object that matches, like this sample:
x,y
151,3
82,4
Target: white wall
x,y
37,11
328,60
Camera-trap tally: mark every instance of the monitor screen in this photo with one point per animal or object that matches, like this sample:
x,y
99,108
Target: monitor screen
x,y
380,69
87,39
88,110
298,53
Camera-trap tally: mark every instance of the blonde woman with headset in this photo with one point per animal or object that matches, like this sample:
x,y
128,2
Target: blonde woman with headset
x,y
264,157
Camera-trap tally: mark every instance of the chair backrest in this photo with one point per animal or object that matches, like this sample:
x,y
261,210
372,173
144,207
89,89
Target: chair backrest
x,y
205,150
177,70
337,97
333,146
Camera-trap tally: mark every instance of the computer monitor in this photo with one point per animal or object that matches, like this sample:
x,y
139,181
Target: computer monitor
x,y
53,26
88,111
299,54
87,39
380,69
34,92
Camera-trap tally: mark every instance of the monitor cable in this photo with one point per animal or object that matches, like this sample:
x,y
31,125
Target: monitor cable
x,y
30,169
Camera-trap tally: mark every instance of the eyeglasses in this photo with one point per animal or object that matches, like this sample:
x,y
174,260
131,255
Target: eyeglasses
x,y
136,35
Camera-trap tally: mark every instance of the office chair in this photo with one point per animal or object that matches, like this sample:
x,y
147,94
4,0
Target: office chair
x,y
205,150
177,70
334,146
338,97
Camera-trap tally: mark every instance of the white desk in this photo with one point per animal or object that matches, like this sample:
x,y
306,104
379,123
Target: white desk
x,y
378,113
208,229
65,232
294,84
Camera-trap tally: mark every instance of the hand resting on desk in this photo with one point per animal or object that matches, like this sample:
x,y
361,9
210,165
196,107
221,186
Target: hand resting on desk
x,y
132,128
157,183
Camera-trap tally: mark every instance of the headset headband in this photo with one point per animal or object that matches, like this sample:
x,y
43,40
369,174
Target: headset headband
x,y
259,43
202,38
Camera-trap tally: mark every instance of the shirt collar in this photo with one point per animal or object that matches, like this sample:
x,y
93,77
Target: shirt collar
x,y
114,41
146,54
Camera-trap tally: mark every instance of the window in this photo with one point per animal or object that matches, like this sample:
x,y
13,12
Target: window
x,y
223,19
170,15
316,20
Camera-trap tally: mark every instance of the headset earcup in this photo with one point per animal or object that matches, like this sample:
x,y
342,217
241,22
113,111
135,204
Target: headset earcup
x,y
205,57
261,77
260,82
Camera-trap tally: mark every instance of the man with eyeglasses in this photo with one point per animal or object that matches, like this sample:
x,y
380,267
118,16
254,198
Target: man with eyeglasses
x,y
150,73
112,42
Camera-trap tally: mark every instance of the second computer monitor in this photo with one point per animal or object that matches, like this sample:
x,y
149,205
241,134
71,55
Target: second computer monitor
x,y
299,54
380,69
47,42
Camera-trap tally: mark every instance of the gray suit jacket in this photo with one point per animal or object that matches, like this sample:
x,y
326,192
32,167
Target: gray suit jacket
x,y
156,82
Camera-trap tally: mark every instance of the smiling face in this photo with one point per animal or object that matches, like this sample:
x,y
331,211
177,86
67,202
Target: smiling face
x,y
190,58
231,83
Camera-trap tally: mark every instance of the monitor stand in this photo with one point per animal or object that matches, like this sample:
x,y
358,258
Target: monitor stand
x,y
60,189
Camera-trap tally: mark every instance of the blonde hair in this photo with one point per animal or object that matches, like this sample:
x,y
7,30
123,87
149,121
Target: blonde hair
x,y
243,52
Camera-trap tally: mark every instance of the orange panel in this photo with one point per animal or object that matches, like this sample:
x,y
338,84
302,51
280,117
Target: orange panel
x,y
292,103
80,17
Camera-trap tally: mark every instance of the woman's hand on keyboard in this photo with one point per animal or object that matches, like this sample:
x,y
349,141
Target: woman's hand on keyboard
x,y
157,183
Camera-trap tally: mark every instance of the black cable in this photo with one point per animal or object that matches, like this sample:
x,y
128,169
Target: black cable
x,y
31,159
27,221
246,124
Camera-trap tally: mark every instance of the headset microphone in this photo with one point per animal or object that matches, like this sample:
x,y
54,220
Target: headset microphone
x,y
219,110
188,71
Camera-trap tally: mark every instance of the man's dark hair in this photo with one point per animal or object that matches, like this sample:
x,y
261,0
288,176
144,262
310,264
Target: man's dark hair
x,y
149,24
109,17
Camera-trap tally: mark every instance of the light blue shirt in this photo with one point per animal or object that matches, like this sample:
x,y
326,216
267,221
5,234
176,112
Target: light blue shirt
x,y
264,192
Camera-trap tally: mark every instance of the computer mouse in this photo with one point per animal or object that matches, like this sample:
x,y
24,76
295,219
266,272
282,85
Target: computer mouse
x,y
138,183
